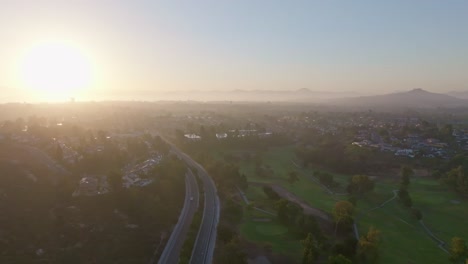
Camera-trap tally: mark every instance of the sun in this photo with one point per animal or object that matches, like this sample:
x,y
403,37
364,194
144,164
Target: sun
x,y
55,71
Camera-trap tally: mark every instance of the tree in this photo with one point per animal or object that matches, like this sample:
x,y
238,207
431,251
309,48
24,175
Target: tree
x,y
360,184
311,249
287,211
406,173
231,253
347,247
292,177
339,259
342,212
458,250
327,179
457,179
270,193
416,213
368,246
404,198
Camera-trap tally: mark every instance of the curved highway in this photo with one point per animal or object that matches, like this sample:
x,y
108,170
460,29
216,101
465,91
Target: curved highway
x,y
206,239
205,242
174,245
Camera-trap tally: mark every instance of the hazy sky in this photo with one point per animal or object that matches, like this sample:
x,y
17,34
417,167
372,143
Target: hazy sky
x,y
371,46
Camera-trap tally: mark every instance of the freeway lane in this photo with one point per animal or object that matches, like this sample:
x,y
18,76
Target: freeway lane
x,y
205,242
174,245
206,238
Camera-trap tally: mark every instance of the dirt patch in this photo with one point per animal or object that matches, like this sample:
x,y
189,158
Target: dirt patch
x,y
305,206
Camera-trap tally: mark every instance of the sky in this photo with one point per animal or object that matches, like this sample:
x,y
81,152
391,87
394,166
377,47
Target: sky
x,y
132,46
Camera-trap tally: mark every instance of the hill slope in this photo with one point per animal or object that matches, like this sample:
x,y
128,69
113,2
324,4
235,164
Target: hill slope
x,y
416,98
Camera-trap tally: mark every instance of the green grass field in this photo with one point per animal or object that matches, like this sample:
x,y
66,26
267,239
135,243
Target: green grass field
x,y
403,238
269,233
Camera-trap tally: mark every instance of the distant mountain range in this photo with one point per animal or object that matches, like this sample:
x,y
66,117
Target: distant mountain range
x,y
300,95
459,94
416,98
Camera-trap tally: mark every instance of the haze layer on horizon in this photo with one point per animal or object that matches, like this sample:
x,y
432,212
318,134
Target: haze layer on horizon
x,y
360,46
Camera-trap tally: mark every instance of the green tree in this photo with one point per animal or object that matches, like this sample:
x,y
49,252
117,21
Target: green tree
x,y
231,253
311,249
405,198
339,259
416,213
368,246
360,184
343,212
458,250
406,173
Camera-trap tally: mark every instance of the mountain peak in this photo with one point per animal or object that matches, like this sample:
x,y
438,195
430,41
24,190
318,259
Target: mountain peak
x,y
418,90
303,90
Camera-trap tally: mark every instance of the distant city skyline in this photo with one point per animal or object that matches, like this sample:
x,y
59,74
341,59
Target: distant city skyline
x,y
366,47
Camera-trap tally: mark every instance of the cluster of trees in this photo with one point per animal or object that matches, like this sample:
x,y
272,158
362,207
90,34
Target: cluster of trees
x,y
326,179
229,249
299,224
291,215
342,251
458,250
234,140
368,246
86,228
403,194
457,179
312,248
270,193
359,185
343,215
111,156
454,173
405,198
227,177
331,152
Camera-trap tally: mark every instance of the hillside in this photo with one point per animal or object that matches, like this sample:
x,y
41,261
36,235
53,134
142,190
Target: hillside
x,y
416,98
459,94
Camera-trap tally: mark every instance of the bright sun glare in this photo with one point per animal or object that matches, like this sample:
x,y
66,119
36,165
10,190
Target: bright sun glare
x,y
55,71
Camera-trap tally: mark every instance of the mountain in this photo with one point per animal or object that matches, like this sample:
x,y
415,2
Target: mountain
x,y
416,98
300,95
459,94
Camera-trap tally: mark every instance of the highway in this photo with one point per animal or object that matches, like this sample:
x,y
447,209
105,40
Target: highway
x,y
174,245
205,242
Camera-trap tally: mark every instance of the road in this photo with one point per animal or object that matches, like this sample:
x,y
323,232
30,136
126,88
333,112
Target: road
x,y
174,245
205,242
